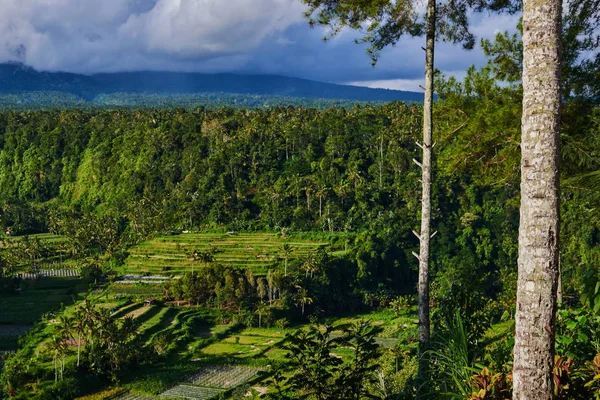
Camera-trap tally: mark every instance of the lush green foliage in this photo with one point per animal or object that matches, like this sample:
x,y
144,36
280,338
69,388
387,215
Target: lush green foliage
x,y
107,180
314,371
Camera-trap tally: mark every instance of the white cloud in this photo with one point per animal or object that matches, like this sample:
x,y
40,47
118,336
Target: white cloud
x,y
104,35
204,28
253,36
411,85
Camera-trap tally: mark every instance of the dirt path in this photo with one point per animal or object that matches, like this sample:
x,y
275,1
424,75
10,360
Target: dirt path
x,y
136,313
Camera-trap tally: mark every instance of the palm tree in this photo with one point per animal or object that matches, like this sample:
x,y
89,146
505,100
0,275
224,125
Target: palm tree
x,y
287,250
322,191
261,309
64,326
79,325
303,297
270,286
310,265
193,255
308,189
90,316
57,347
340,190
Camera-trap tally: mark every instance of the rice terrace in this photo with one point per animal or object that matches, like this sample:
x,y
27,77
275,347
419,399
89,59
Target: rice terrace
x,y
172,255
203,353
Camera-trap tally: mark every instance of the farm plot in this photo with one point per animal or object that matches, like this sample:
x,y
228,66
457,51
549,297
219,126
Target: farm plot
x,y
211,381
134,396
136,313
249,343
136,289
60,273
170,254
191,392
224,376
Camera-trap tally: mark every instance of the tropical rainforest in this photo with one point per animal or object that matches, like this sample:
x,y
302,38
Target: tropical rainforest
x,y
109,180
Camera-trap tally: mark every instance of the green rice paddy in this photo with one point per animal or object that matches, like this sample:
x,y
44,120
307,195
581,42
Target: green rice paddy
x,y
169,255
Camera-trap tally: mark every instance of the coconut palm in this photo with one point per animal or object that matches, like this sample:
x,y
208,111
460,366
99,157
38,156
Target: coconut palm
x,y
321,192
193,255
64,326
57,348
79,326
90,316
303,298
286,249
261,309
310,265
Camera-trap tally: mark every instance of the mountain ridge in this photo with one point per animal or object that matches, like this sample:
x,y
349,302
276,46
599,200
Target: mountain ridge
x,y
17,78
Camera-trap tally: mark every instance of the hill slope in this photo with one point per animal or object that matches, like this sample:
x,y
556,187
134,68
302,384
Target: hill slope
x,y
20,82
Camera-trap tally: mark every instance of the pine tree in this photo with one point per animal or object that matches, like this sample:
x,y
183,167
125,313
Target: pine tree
x,y
386,22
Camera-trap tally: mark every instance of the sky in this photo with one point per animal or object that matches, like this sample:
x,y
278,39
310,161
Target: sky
x,y
241,36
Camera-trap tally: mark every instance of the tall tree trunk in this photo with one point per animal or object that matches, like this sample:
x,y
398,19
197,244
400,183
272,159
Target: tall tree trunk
x,y
381,163
539,224
78,347
425,236
320,206
559,292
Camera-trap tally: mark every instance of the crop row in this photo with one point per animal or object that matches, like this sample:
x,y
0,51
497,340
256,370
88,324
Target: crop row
x,y
223,376
191,392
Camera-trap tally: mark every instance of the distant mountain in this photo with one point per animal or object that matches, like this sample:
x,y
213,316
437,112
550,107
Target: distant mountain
x,y
19,80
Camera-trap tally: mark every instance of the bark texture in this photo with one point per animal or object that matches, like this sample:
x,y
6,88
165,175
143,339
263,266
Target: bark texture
x,y
538,230
425,235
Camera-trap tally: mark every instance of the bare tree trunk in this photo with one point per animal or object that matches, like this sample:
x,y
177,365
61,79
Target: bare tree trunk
x,y
381,163
559,288
539,224
425,235
320,206
78,347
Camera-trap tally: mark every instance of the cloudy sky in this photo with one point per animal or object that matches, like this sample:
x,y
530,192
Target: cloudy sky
x,y
247,36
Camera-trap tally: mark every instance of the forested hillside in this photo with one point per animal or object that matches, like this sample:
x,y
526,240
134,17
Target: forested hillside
x,y
302,169
23,87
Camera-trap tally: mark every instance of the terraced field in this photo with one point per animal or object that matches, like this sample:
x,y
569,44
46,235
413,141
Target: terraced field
x,y
257,251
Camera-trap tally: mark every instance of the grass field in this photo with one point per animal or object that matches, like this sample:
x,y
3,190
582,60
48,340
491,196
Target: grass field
x,y
43,237
257,251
